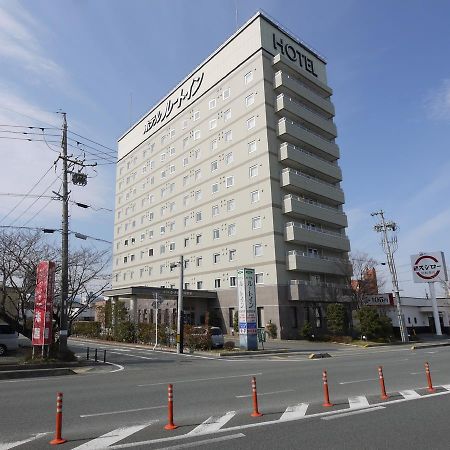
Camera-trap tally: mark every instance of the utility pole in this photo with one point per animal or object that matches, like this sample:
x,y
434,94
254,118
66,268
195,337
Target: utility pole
x,y
180,321
389,247
64,244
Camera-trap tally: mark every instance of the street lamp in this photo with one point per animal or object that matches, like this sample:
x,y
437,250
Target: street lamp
x,y
390,245
180,321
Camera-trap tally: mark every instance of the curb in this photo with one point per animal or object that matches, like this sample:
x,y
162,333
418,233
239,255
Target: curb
x,y
35,373
419,346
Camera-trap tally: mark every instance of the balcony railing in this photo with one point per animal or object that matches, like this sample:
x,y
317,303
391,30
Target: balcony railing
x,y
304,85
328,141
315,230
306,152
310,177
312,202
302,105
318,284
325,258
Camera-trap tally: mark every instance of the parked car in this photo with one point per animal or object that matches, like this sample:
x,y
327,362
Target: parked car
x,y
8,339
215,335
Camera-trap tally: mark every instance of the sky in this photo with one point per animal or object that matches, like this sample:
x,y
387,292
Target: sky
x,y
107,62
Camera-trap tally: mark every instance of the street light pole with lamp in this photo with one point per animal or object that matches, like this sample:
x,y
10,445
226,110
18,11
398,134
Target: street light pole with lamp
x,y
180,321
389,247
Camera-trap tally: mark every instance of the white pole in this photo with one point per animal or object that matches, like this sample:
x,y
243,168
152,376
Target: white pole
x,y
437,322
156,332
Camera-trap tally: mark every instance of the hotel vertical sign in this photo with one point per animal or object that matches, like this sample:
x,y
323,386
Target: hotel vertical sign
x,y
247,309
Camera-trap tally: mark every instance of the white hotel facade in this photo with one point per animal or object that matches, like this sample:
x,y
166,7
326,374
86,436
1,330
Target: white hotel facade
x,y
236,167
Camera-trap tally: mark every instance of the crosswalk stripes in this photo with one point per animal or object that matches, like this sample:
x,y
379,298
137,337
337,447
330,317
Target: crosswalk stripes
x,y
358,401
294,412
446,387
409,394
213,423
112,437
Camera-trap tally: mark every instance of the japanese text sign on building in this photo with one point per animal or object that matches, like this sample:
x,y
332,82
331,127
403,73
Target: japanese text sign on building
x,y
247,307
429,267
43,303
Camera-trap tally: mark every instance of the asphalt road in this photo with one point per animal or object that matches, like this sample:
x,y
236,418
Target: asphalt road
x,y
126,401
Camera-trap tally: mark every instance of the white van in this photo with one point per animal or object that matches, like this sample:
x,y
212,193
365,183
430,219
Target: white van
x,y
8,339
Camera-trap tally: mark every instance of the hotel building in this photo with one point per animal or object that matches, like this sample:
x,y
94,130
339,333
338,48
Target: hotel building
x,y
236,167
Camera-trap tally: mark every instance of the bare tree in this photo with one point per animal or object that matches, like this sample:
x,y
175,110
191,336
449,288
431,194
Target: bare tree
x,y
364,281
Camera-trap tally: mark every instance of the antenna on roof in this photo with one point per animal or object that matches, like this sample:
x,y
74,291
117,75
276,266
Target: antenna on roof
x,y
236,15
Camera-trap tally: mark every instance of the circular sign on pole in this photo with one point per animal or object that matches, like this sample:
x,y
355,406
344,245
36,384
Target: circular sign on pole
x,y
428,267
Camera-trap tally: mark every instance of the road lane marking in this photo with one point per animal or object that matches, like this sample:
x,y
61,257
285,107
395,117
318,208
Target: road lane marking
x,y
358,401
112,437
123,411
132,356
409,394
204,442
358,381
201,379
8,445
421,373
294,412
352,413
119,367
212,424
446,386
265,393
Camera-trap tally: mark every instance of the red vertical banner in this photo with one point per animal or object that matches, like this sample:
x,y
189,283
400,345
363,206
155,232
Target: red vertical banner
x,y
43,303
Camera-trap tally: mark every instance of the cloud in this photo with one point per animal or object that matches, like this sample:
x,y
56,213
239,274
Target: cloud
x,y
437,102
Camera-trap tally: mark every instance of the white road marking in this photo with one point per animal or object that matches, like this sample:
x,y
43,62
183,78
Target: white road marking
x,y
409,394
120,349
201,379
294,412
351,413
358,381
112,437
357,402
446,386
8,445
214,423
432,353
122,411
204,442
423,372
272,422
119,367
265,393
133,356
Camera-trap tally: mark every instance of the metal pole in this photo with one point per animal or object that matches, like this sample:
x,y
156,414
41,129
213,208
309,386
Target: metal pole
x,y
156,332
180,321
437,322
64,244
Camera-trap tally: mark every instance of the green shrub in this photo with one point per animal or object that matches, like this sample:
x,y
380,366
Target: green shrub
x,y
229,345
86,329
236,322
145,333
306,331
125,332
272,330
336,318
372,324
195,341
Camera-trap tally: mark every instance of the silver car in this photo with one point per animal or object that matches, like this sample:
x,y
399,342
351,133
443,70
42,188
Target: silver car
x,y
8,339
214,333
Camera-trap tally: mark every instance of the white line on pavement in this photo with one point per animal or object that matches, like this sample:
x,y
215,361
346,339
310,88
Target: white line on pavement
x,y
201,379
122,411
112,437
8,445
214,423
446,386
204,442
409,394
265,393
358,381
294,412
358,401
119,367
352,413
421,373
132,356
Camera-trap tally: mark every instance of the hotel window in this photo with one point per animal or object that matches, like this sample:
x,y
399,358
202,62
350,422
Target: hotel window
x,y
185,142
199,284
198,261
172,224
217,283
248,77
254,196
197,153
229,158
229,181
172,151
198,174
162,229
185,180
256,223
227,115
161,269
232,255
172,132
196,115
215,210
185,161
172,169
212,103
214,144
231,229
172,246
163,139
232,281
185,123
226,93
216,233
185,200
212,124
231,205
198,216
251,146
259,278
253,171
198,195
215,188
162,249
187,286
251,123
163,174
197,135
257,250
142,236
150,234
125,259
186,221
163,157
228,136
249,100
216,258
214,166
151,198
172,206
186,242
198,238
131,257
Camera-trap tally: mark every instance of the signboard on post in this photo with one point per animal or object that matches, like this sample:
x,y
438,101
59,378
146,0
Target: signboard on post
x,y
247,309
43,303
429,267
378,300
